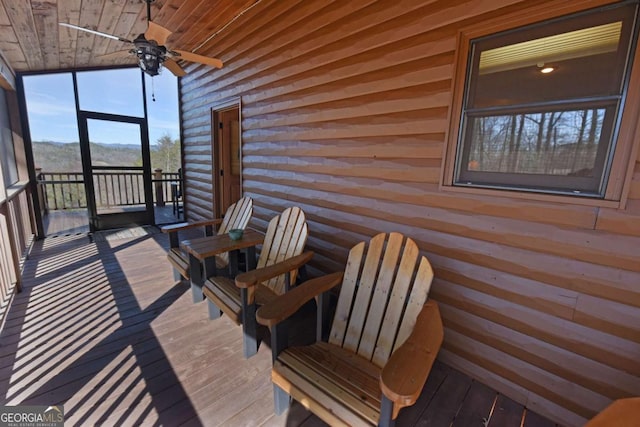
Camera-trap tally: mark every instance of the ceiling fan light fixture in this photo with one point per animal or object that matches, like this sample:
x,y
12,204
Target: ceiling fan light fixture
x,y
150,63
150,55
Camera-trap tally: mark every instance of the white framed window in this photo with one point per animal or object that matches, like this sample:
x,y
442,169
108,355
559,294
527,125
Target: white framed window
x,y
541,104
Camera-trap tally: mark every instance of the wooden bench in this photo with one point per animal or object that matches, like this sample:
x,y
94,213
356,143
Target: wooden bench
x,y
383,342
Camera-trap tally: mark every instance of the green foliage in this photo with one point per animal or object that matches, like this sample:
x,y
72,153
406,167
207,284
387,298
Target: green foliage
x,y
166,154
57,157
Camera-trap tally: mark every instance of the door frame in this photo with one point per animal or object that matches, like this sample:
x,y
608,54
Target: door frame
x,y
115,220
216,109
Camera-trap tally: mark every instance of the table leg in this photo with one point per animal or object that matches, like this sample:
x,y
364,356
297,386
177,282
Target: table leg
x,y
197,279
233,263
210,269
251,258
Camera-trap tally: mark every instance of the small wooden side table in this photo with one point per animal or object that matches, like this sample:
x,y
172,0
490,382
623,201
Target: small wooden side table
x,y
202,252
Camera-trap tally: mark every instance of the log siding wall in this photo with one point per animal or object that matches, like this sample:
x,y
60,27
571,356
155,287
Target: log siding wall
x,y
345,111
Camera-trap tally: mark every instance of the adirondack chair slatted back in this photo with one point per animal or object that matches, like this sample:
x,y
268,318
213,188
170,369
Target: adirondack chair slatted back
x,y
385,285
237,216
285,238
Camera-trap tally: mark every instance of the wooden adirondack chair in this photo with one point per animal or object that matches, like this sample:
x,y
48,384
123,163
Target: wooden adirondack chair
x,y
382,344
623,412
237,216
280,259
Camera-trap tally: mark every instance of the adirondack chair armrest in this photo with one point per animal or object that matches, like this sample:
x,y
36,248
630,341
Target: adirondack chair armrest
x,y
287,304
406,371
186,225
253,277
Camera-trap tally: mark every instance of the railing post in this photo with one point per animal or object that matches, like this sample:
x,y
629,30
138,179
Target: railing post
x,y
42,197
159,193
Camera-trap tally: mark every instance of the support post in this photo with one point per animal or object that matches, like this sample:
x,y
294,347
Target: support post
x,y
157,176
41,192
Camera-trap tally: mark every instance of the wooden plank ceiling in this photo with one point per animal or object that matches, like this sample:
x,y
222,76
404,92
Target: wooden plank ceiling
x,y
32,40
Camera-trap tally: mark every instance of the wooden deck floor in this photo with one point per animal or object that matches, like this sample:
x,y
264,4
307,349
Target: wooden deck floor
x,y
102,328
73,221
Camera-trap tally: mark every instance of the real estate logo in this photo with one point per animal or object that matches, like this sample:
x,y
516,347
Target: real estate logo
x,y
32,416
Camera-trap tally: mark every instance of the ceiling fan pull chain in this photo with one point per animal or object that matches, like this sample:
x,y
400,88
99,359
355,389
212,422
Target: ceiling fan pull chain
x,y
153,90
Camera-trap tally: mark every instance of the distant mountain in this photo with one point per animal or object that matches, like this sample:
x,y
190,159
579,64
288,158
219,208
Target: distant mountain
x,y
54,156
117,146
65,157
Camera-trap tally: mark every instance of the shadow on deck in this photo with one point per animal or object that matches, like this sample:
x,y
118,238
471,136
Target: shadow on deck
x,y
102,328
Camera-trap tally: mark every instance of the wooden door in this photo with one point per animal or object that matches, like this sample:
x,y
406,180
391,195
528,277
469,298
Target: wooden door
x,y
229,159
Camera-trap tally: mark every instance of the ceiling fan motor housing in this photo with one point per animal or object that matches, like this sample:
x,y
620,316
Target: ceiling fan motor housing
x,y
150,55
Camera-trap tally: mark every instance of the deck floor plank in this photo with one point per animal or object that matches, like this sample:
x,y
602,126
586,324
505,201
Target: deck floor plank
x,y
103,328
535,420
506,413
447,401
476,407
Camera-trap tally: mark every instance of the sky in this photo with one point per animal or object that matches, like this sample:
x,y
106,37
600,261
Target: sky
x,y
51,104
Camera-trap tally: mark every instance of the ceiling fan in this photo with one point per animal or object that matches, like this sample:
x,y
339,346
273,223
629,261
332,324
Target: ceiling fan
x,y
151,51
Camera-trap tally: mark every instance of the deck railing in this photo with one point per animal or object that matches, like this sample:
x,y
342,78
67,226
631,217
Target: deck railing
x,y
65,190
17,230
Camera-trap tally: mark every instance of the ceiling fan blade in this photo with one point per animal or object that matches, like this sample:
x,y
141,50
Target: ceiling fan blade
x,y
64,24
173,66
194,57
158,33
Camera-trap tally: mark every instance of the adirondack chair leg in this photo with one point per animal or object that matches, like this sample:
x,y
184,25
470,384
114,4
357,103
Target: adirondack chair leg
x,y
281,400
386,413
279,339
322,317
196,292
251,258
233,263
195,272
287,282
303,276
173,240
249,326
214,311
